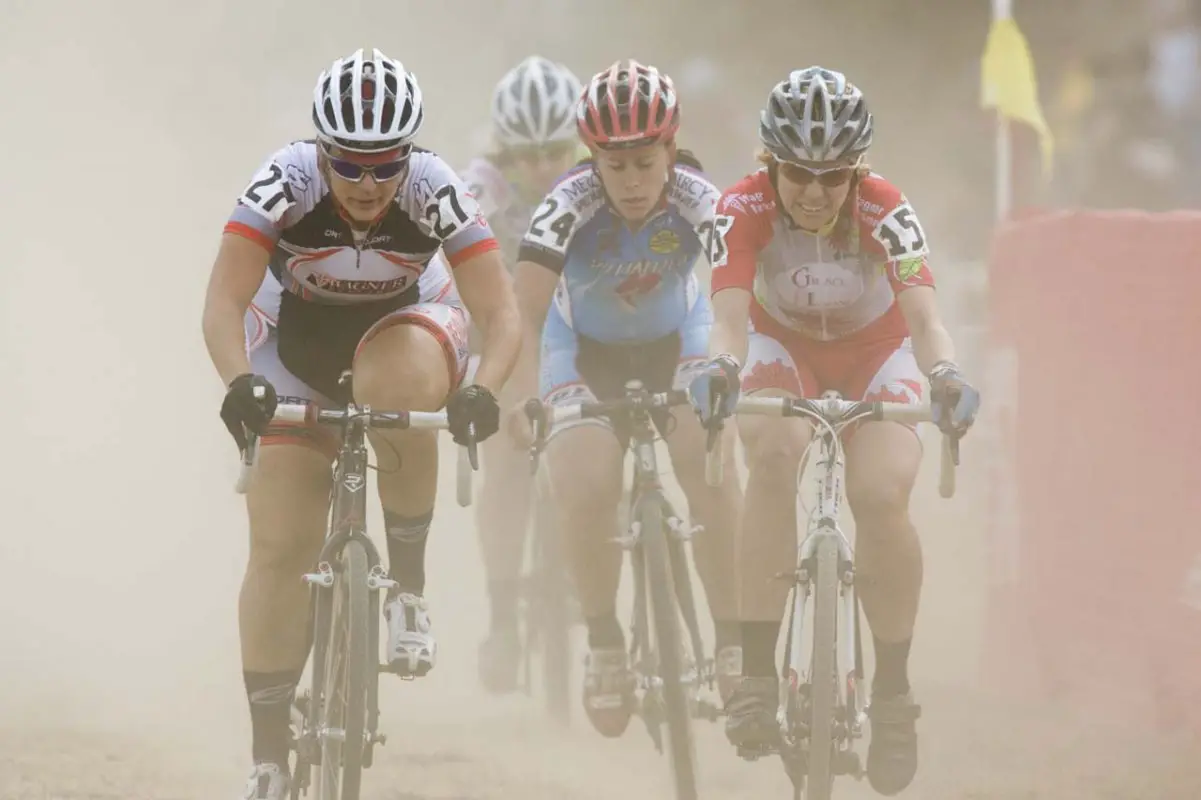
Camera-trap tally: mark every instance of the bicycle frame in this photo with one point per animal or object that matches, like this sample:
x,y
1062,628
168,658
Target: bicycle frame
x,y
646,487
823,522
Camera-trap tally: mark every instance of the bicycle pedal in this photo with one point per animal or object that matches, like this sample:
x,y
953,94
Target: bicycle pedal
x,y
323,577
682,530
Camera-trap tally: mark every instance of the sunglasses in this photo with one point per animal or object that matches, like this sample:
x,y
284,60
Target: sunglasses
x,y
355,171
803,176
543,153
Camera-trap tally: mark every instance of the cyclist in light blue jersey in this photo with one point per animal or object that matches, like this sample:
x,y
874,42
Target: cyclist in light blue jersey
x,y
606,280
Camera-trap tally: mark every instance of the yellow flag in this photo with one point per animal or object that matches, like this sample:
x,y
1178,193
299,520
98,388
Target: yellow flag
x,y
1007,82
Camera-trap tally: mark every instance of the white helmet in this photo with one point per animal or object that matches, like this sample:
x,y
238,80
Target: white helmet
x,y
535,103
816,115
367,105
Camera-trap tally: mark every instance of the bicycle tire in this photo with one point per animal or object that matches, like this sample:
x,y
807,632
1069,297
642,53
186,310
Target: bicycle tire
x,y
669,649
345,692
553,613
819,783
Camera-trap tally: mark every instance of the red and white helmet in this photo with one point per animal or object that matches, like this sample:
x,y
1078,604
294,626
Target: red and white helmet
x,y
628,105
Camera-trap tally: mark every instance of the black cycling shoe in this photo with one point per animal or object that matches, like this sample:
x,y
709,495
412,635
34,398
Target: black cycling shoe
x,y
892,754
500,661
751,714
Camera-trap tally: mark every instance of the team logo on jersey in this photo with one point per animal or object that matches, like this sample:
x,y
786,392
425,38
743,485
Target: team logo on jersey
x,y
665,241
909,270
636,286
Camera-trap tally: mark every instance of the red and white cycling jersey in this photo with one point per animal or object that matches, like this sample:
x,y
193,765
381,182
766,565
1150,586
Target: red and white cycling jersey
x,y
824,287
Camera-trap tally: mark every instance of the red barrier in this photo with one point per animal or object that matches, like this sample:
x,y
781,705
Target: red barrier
x,y
1103,439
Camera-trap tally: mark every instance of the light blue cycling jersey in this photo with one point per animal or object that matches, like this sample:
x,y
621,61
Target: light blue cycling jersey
x,y
618,284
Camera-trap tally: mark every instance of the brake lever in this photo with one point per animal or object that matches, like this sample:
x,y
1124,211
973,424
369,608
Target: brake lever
x,y
535,412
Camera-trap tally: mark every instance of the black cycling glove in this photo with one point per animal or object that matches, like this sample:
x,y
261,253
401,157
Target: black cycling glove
x,y
243,411
472,405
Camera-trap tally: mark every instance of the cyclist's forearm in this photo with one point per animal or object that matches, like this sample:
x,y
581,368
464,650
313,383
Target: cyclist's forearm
x,y
525,376
931,345
225,338
727,338
501,347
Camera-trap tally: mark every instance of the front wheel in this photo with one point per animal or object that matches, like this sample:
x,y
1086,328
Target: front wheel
x,y
822,686
668,648
342,721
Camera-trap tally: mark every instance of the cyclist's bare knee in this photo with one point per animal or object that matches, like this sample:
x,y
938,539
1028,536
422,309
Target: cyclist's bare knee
x,y
585,470
774,446
883,459
287,502
402,367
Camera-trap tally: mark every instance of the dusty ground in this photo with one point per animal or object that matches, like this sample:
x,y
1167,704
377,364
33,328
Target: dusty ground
x,y
123,543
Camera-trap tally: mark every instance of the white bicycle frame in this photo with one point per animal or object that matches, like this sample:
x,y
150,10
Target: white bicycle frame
x,y
829,415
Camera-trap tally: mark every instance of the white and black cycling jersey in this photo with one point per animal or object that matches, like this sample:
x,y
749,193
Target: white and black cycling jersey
x,y
317,256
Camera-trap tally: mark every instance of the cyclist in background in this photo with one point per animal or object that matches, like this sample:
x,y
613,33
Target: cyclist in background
x,y
826,262
614,246
533,142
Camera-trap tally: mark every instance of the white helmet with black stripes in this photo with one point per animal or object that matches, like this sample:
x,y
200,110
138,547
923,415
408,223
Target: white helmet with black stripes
x,y
367,105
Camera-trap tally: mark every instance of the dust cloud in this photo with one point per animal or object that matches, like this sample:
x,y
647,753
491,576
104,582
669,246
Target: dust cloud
x,y
129,128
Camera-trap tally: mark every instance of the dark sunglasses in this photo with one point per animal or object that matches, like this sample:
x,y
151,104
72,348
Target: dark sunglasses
x,y
354,171
542,153
803,176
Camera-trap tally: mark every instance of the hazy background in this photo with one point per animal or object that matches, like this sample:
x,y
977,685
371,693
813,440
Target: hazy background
x,y
129,129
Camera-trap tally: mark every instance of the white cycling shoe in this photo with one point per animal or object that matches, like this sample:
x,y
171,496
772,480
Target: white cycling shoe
x,y
267,782
412,650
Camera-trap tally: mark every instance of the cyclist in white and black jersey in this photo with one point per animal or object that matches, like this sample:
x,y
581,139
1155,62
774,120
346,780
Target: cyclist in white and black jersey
x,y
534,142
348,224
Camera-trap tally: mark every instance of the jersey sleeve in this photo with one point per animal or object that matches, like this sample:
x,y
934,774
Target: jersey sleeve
x,y
696,198
896,234
735,239
273,198
441,203
557,219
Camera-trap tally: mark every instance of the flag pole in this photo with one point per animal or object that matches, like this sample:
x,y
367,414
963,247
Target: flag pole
x,y
1003,9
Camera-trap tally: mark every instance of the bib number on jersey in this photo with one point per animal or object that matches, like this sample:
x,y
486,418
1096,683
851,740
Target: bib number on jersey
x,y
713,235
267,190
447,216
901,234
551,223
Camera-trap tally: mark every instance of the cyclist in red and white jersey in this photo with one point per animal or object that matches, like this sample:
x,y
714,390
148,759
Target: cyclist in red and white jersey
x,y
348,224
821,282
534,142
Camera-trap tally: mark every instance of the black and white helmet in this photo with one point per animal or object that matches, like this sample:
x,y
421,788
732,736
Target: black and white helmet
x,y
367,105
816,115
535,103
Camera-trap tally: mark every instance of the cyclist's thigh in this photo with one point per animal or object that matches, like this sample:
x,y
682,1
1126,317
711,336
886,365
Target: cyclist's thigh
x,y
885,455
582,455
289,493
772,370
